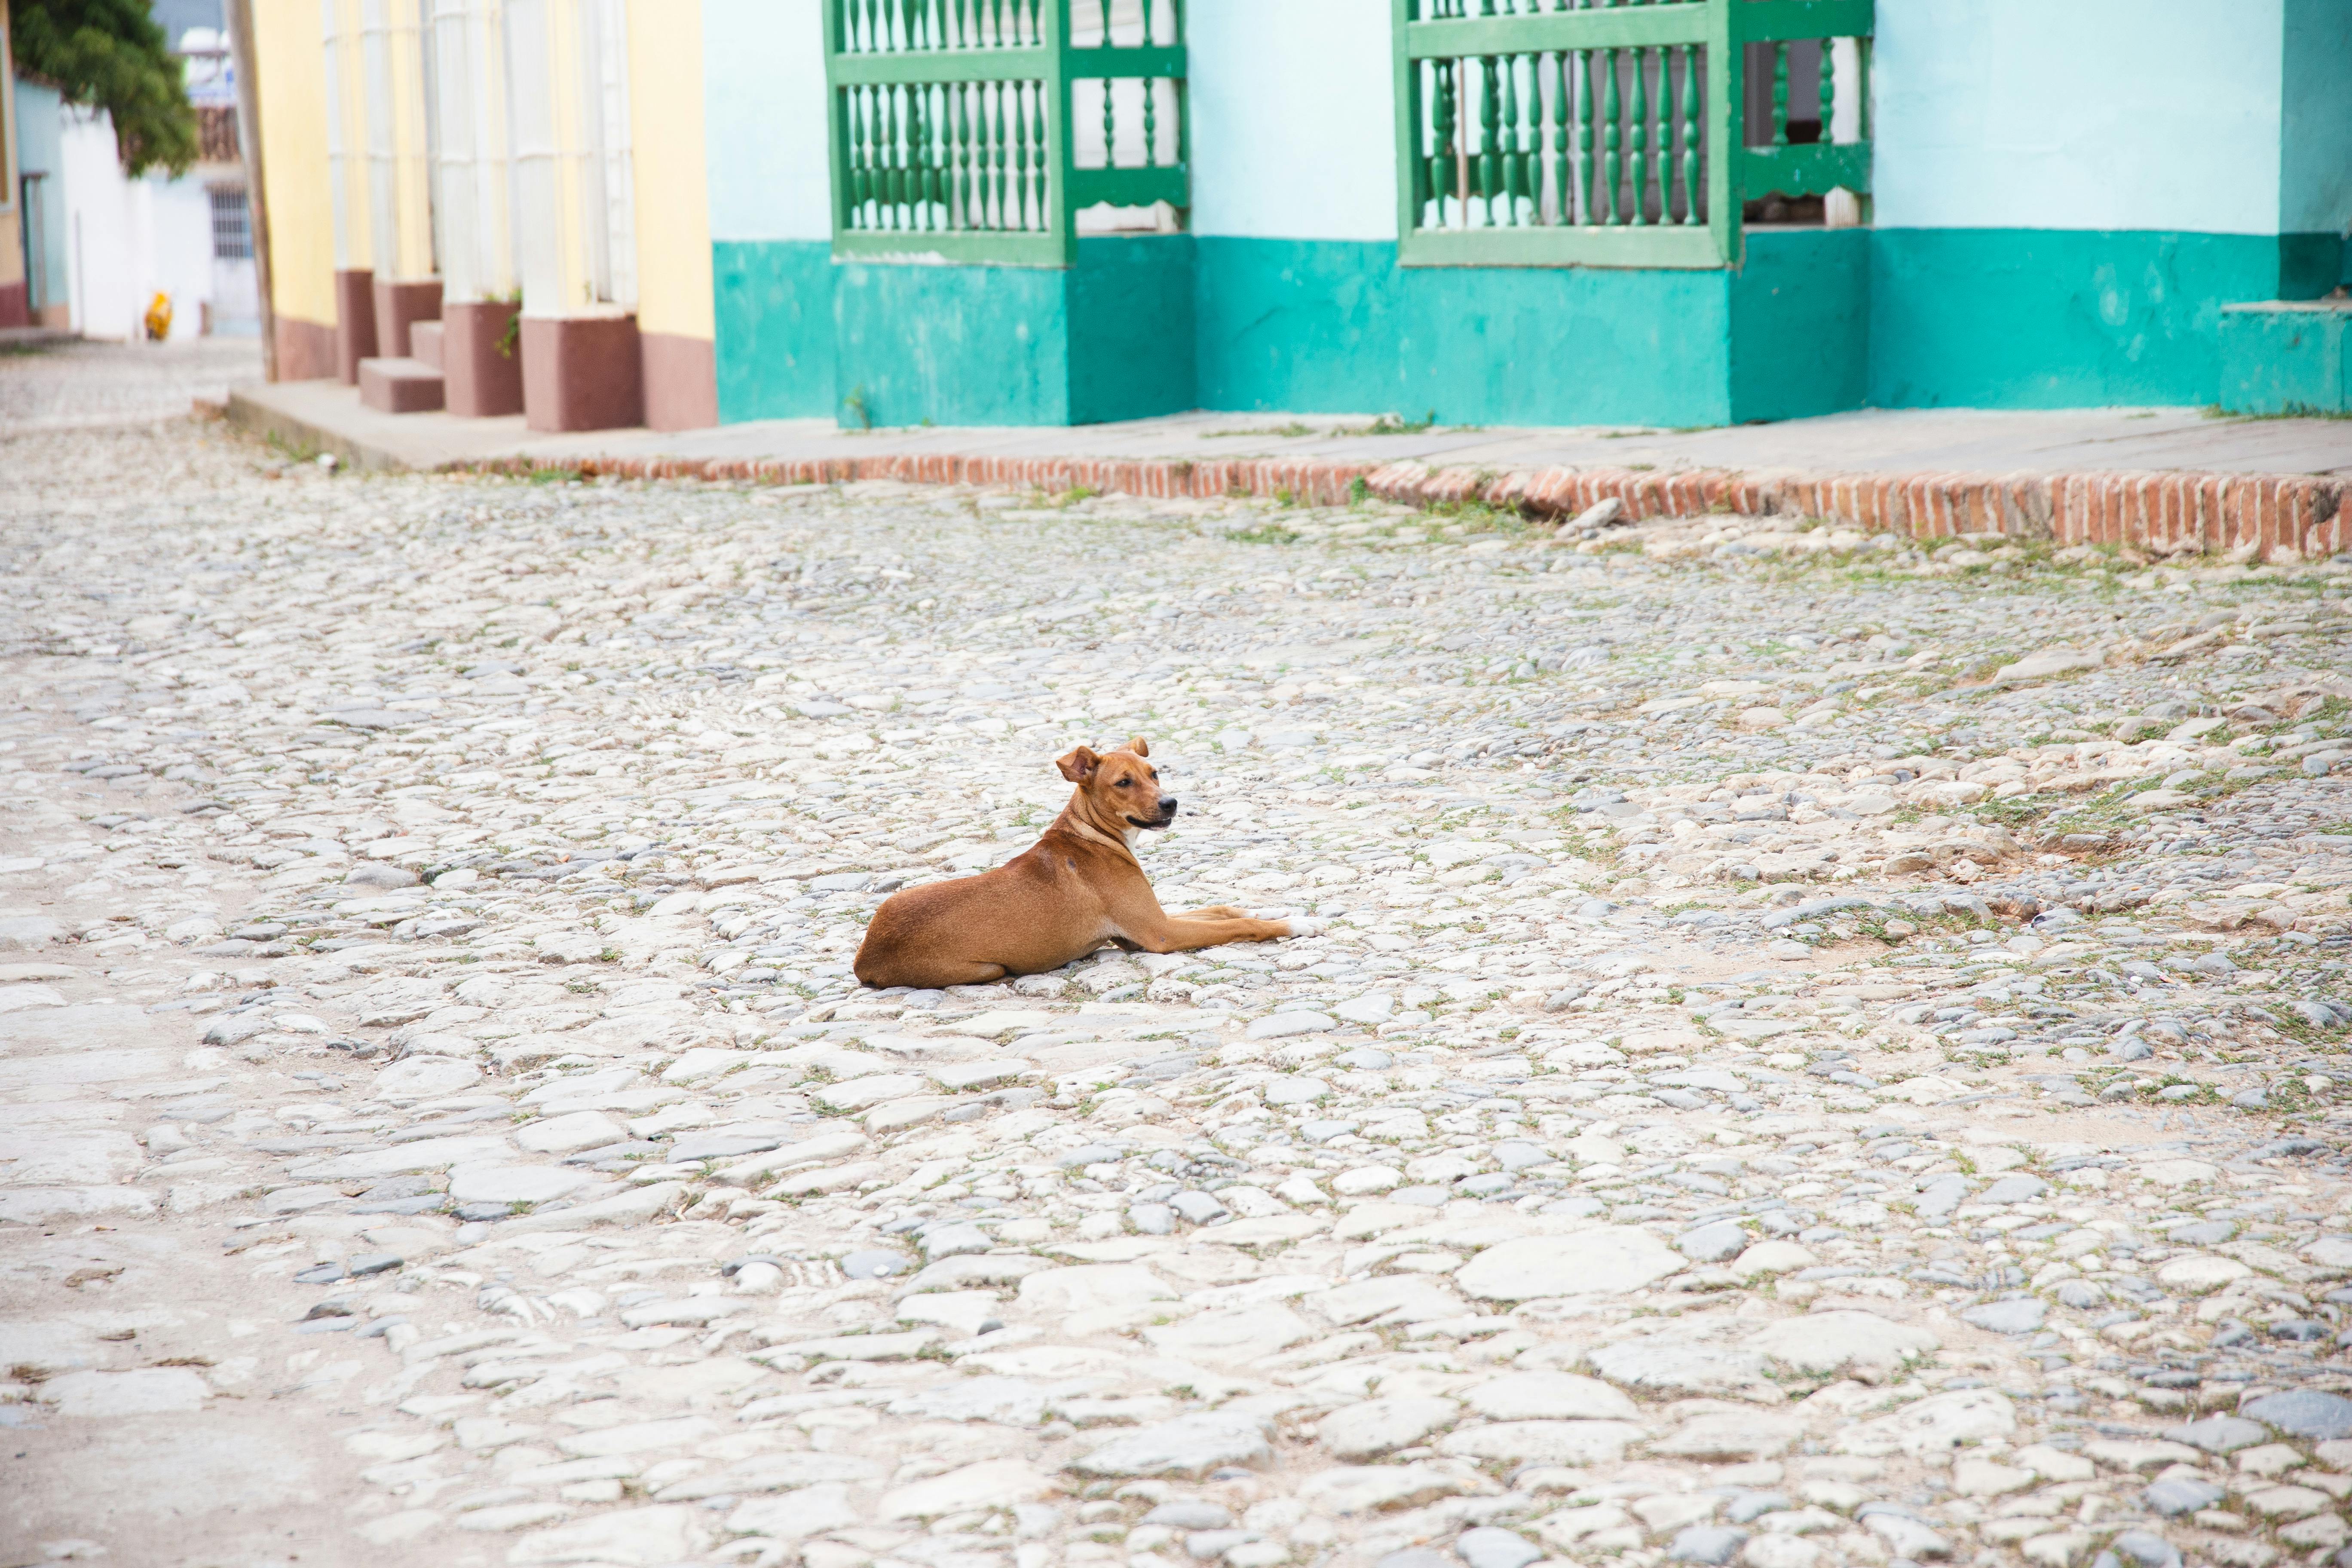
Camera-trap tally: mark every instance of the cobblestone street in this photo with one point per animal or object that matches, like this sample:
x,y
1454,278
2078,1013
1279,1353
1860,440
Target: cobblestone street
x,y
1817,1052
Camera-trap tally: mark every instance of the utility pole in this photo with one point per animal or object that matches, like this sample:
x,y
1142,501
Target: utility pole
x,y
256,199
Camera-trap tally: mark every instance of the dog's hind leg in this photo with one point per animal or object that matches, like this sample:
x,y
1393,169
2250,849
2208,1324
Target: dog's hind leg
x,y
933,974
968,974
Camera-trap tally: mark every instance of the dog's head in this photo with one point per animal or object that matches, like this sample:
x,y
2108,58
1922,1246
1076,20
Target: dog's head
x,y
1119,790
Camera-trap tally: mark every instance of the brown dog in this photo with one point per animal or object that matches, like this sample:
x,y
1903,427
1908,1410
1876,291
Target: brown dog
x,y
1078,889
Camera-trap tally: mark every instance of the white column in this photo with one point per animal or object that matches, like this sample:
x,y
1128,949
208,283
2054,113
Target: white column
x,y
338,172
456,155
382,137
535,158
607,183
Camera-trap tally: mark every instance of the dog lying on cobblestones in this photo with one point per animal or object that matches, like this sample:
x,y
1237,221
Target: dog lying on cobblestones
x,y
1078,889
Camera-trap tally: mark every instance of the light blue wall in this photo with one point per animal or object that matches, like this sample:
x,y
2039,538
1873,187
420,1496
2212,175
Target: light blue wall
x,y
1294,127
37,150
763,120
2080,114
770,223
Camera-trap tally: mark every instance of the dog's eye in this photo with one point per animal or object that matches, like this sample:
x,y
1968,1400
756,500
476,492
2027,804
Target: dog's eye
x,y
1124,783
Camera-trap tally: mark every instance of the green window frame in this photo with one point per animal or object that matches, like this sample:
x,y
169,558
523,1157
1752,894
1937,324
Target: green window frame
x,y
1592,132
952,124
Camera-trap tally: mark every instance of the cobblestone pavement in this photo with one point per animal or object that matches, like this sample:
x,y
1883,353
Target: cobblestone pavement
x,y
78,386
1819,1054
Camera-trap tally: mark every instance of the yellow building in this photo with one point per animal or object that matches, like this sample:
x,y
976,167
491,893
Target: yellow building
x,y
491,206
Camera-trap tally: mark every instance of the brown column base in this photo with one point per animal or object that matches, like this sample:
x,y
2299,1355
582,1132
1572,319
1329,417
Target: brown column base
x,y
306,349
354,322
16,304
480,379
396,305
581,372
681,382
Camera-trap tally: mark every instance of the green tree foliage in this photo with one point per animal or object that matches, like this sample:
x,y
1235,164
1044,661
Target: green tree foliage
x,y
112,55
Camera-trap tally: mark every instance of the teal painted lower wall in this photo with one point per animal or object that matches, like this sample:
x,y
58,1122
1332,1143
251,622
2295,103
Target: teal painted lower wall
x,y
1563,346
1133,331
1339,327
953,345
1327,326
2288,359
1801,324
2060,318
1814,321
772,301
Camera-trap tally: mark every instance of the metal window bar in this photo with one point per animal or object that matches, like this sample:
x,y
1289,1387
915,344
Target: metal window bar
x,y
231,224
1562,132
977,129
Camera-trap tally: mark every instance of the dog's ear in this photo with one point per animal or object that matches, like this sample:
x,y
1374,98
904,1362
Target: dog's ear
x,y
1139,746
1078,766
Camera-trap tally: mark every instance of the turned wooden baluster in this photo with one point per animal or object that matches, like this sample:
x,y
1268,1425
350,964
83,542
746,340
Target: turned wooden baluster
x,y
1780,95
1562,198
894,108
1690,133
1508,118
959,132
1037,161
1584,59
1440,160
1662,146
938,171
853,110
914,123
998,204
1829,87
1490,174
1611,166
1637,114
1021,150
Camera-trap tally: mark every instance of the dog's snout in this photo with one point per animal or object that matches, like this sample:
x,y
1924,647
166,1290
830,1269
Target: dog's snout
x,y
1167,806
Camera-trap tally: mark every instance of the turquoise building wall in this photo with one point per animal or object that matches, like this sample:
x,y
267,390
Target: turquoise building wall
x,y
2065,198
48,280
771,218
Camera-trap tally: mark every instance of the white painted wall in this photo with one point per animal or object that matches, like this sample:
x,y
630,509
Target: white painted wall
x,y
126,239
1293,126
180,220
2078,114
764,120
102,242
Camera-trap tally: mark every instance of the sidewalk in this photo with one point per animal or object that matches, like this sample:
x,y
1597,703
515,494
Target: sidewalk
x,y
2164,478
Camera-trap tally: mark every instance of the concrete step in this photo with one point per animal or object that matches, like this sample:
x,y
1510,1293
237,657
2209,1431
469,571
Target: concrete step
x,y
2287,356
424,342
399,385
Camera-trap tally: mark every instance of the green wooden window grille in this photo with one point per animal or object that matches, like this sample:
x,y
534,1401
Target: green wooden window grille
x,y
1588,132
977,131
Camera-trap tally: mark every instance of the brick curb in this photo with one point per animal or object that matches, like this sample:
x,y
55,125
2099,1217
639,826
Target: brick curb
x,y
2164,513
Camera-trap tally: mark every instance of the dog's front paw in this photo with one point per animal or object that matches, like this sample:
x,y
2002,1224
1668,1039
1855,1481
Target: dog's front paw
x,y
1307,925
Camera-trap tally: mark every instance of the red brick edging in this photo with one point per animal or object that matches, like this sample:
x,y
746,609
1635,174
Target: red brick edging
x,y
2161,512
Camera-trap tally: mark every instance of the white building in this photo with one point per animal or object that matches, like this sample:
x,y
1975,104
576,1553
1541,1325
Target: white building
x,y
123,241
